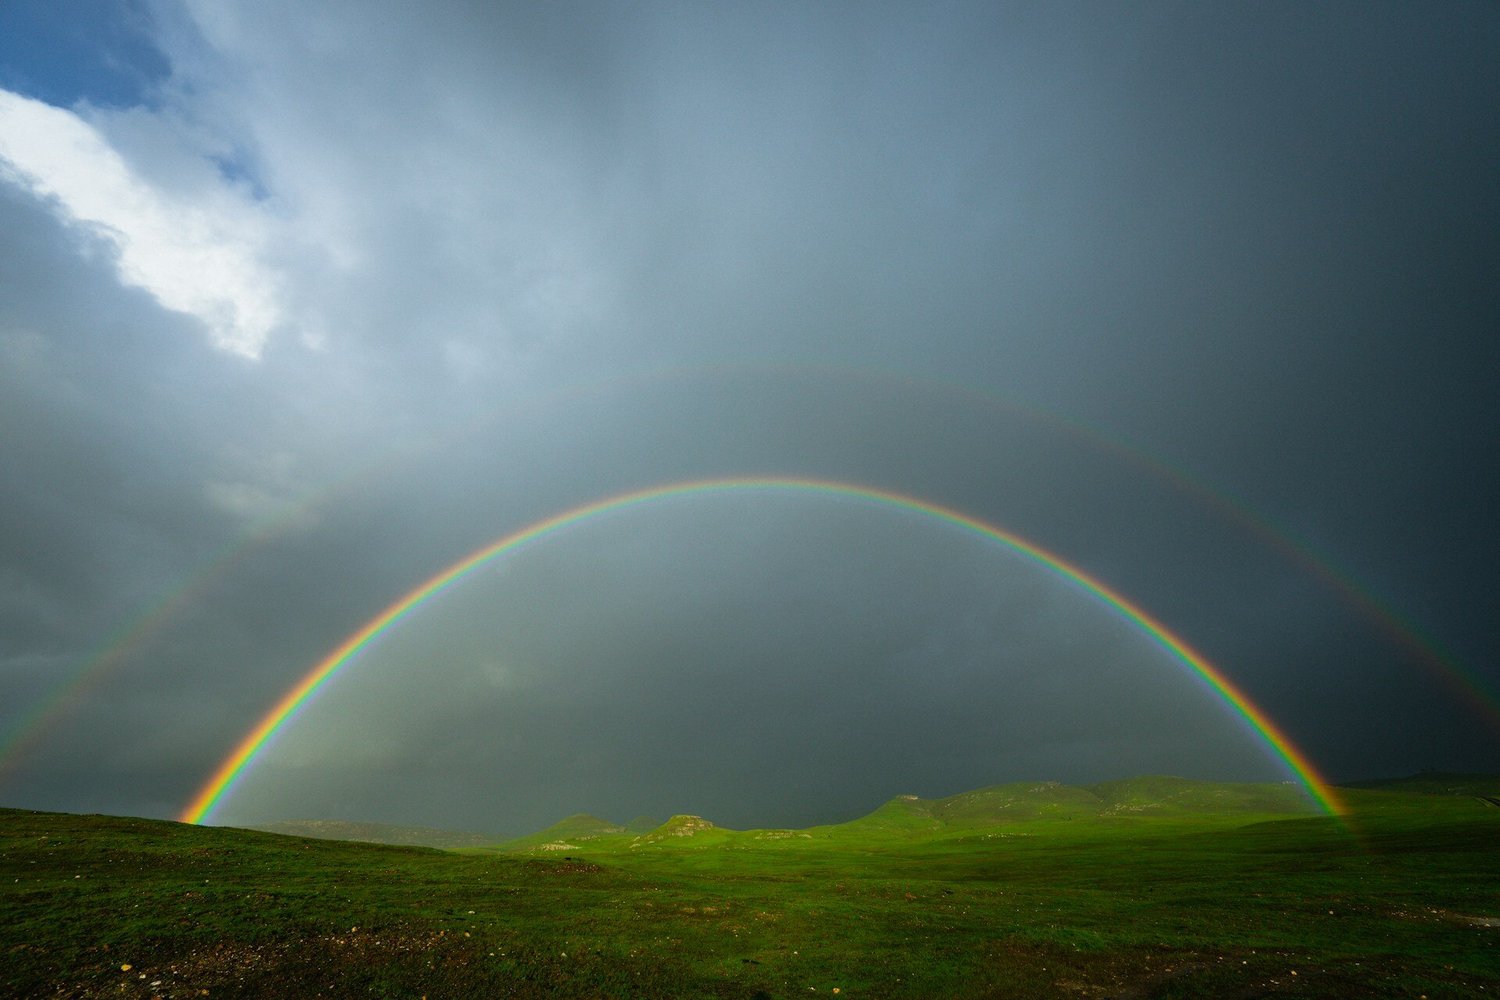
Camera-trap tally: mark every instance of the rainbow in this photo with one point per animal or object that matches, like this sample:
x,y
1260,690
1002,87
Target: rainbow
x,y
236,765
29,726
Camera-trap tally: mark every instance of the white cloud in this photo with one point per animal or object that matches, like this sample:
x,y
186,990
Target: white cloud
x,y
200,257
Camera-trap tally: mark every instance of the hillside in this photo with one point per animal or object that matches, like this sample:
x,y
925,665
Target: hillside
x,y
1397,900
584,832
565,835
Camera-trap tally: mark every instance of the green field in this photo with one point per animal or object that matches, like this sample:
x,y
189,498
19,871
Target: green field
x,y
1148,888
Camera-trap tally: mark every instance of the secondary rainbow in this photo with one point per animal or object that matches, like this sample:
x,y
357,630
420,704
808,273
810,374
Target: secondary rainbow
x,y
236,765
29,726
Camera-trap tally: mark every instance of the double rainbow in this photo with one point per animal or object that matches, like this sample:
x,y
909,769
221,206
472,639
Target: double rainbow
x,y
234,767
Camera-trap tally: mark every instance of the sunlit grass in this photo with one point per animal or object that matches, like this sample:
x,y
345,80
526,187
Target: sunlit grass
x,y
1139,907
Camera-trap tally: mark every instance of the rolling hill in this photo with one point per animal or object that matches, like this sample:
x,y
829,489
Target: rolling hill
x,y
909,817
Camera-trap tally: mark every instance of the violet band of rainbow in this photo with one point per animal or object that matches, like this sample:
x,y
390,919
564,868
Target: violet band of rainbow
x,y
234,767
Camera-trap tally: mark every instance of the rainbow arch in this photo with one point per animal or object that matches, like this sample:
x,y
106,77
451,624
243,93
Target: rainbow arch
x,y
19,737
235,766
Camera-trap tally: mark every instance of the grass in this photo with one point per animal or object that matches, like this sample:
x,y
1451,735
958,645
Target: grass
x,y
1162,904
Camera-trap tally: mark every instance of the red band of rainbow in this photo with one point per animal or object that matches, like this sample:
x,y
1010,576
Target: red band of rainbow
x,y
235,766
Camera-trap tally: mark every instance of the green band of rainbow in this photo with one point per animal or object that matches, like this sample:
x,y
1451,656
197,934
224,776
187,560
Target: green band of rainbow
x,y
234,767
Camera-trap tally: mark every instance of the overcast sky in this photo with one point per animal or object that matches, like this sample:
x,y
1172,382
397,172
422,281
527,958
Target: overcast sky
x,y
299,304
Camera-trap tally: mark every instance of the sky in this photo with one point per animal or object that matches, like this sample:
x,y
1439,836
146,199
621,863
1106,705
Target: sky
x,y
300,305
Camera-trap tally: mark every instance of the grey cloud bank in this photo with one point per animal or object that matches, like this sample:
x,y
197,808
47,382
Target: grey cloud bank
x,y
986,255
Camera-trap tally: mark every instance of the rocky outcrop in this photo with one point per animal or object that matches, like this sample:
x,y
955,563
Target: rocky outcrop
x,y
677,826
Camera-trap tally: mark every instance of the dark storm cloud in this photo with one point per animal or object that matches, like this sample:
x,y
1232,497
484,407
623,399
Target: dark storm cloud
x,y
490,263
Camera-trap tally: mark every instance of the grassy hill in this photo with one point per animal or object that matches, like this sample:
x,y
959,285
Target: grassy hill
x,y
1035,801
1396,900
565,835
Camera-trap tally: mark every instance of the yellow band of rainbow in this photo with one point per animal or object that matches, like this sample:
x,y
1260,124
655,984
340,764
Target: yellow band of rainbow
x,y
234,767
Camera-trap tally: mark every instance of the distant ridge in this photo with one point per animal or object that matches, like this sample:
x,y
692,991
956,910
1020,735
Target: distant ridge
x,y
581,830
565,835
910,816
376,833
1032,801
1436,783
